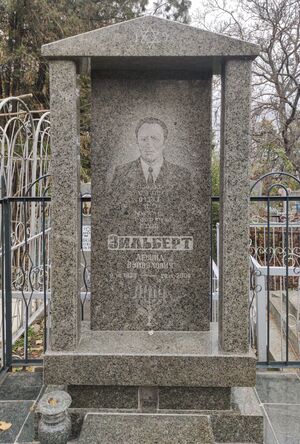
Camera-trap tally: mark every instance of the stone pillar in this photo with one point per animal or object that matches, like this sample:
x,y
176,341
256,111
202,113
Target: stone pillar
x,y
65,206
234,206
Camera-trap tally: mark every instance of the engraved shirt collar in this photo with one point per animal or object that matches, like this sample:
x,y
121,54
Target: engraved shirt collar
x,y
156,166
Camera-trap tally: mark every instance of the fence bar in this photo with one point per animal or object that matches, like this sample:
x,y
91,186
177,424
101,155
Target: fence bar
x,y
24,362
287,279
44,273
2,184
278,364
268,278
261,309
7,285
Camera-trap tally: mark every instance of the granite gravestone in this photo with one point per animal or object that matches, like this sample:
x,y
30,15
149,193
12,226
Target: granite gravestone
x,y
151,210
151,88
150,68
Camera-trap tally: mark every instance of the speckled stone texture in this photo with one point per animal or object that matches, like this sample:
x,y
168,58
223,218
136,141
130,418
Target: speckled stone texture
x,y
241,423
65,206
152,36
234,218
195,398
145,428
138,71
132,397
246,425
55,424
161,279
162,359
103,397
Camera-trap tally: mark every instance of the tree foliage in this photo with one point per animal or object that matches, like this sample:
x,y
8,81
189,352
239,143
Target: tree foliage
x,y
174,9
275,26
25,25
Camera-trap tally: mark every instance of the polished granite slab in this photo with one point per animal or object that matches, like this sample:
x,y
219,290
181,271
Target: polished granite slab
x,y
146,343
279,393
15,413
21,386
278,388
150,358
19,392
286,422
135,428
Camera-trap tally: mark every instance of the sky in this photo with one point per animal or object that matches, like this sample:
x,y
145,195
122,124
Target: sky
x,y
196,4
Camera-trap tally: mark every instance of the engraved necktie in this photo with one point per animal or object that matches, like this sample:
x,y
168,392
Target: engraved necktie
x,y
150,180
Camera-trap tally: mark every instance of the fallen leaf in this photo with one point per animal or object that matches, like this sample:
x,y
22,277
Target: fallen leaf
x,y
39,342
36,328
52,401
4,426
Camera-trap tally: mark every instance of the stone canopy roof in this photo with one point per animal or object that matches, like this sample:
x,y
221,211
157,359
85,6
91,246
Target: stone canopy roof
x,y
149,36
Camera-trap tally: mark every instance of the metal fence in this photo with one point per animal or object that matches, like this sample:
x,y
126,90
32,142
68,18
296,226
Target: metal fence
x,y
275,272
26,283
25,225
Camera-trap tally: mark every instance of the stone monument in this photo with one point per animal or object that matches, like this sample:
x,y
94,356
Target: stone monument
x,y
149,366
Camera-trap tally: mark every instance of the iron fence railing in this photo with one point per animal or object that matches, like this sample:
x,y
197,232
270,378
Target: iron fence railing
x,y
25,280
275,271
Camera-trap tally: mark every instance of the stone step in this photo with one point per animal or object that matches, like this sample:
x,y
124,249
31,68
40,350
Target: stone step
x,y
142,358
242,423
143,428
150,399
243,427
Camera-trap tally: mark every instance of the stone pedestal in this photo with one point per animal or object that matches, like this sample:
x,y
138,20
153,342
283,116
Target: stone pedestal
x,y
182,374
149,365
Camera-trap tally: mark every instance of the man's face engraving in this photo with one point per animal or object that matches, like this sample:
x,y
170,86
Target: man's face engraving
x,y
151,142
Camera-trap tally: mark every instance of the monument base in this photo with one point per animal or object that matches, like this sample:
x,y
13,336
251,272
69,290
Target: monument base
x,y
142,358
241,422
135,384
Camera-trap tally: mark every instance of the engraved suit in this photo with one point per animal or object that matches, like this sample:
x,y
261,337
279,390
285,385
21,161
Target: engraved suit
x,y
167,202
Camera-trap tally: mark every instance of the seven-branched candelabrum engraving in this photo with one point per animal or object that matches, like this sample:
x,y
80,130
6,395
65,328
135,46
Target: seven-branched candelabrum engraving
x,y
149,296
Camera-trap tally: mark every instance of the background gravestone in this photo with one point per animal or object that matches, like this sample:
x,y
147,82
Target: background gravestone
x,y
150,256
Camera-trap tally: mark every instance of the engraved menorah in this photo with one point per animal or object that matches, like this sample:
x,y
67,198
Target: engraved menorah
x,y
150,297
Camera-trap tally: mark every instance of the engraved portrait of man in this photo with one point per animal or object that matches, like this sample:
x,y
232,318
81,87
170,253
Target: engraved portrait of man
x,y
150,185
150,167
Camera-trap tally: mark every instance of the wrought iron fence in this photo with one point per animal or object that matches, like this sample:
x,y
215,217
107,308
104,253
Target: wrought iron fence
x,y
25,283
25,224
275,271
